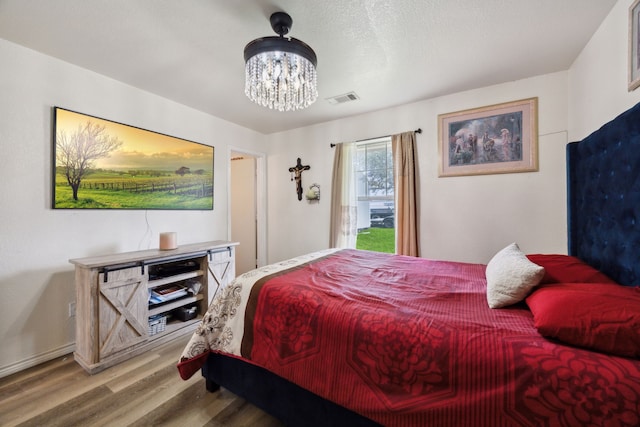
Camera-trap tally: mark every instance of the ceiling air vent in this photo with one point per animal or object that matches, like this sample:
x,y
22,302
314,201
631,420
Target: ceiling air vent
x,y
341,99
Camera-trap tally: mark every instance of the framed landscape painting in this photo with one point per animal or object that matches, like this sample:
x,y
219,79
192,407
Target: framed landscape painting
x,y
101,164
501,138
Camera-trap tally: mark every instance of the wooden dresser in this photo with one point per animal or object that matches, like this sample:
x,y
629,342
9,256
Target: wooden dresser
x,y
129,302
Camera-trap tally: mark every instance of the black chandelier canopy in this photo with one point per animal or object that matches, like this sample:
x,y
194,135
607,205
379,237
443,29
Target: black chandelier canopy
x,y
281,24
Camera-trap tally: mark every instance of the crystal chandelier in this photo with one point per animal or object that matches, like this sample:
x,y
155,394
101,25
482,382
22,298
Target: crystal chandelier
x,y
280,73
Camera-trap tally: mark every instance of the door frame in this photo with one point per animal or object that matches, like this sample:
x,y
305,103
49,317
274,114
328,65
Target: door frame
x,y
261,201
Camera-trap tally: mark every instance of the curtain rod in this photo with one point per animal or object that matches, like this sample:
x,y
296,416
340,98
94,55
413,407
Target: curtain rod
x,y
378,137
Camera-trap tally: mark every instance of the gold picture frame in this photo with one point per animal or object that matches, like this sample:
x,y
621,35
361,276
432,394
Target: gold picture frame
x,y
500,138
634,45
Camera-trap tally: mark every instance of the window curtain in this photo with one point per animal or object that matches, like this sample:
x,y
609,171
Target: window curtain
x,y
405,175
344,216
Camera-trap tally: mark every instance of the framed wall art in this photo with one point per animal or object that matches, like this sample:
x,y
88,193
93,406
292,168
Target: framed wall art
x,y
501,138
634,45
101,164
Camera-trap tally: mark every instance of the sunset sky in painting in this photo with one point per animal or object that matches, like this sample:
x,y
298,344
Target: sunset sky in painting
x,y
141,149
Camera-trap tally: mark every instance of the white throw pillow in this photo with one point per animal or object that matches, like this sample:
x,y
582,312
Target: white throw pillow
x,y
511,277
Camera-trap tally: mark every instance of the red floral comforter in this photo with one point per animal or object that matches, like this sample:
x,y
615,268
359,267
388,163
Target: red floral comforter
x,y
411,342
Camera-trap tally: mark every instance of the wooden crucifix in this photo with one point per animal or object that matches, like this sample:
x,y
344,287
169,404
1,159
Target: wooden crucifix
x,y
296,171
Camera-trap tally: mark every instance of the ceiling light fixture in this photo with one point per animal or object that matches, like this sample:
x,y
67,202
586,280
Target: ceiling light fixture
x,y
280,73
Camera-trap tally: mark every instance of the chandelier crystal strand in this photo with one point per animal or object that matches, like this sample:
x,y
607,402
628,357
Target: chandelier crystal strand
x,y
281,81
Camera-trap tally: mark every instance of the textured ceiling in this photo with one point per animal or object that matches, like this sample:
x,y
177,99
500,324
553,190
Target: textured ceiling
x,y
389,52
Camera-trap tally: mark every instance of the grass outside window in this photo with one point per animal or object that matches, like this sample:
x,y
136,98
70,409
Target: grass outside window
x,y
377,239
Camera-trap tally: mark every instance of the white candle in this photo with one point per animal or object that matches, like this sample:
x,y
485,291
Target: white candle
x,y
168,240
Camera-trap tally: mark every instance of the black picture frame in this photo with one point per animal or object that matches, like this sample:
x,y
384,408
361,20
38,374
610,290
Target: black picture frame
x,y
102,164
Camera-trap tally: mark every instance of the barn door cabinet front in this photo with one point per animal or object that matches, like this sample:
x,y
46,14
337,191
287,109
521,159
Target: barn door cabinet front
x,y
122,310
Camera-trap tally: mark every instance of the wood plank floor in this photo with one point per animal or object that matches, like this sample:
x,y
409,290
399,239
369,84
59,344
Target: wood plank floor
x,y
142,391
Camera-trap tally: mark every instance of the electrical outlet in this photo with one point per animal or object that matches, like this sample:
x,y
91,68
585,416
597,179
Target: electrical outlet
x,y
72,309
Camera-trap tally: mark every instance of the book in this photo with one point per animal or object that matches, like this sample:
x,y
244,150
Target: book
x,y
167,293
169,289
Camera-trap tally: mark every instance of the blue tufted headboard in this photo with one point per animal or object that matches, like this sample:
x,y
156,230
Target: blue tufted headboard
x,y
603,198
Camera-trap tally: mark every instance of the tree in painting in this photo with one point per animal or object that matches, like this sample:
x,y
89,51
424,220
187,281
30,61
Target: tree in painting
x,y
183,171
77,153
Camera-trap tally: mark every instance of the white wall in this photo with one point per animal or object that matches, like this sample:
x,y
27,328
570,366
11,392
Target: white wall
x,y
462,218
598,79
36,242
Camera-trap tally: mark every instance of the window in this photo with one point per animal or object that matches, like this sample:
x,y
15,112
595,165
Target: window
x,y
375,192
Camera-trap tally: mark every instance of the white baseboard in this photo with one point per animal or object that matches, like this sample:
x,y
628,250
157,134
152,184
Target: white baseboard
x,y
5,371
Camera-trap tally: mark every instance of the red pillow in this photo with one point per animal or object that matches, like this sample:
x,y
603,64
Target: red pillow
x,y
600,316
567,269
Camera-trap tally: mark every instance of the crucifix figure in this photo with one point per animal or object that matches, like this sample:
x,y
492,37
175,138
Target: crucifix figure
x,y
297,172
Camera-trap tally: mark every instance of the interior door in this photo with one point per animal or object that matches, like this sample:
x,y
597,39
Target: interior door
x,y
244,212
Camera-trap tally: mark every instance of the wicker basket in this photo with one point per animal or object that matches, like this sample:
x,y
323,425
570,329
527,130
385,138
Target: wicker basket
x,y
157,324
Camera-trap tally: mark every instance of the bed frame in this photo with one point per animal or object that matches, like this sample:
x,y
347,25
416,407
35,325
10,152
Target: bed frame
x,y
277,396
603,211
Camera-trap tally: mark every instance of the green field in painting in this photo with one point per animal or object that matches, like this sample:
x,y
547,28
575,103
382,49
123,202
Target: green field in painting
x,y
148,190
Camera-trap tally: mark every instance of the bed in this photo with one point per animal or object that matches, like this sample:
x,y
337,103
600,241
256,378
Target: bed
x,y
355,338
